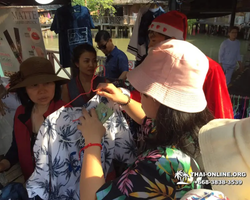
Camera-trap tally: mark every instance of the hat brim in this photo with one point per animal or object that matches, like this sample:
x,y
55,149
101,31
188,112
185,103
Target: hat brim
x,y
38,79
178,100
221,153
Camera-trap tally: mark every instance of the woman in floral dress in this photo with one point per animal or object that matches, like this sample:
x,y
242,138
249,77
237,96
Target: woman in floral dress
x,y
170,81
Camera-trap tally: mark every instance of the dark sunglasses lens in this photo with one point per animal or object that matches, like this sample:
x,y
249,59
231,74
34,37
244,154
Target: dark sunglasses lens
x,y
101,47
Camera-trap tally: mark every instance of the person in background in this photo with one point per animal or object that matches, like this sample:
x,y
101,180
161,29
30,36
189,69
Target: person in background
x,y
116,65
172,95
84,62
174,25
39,91
229,53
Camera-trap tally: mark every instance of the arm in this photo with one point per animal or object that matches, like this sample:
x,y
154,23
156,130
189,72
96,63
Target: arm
x,y
65,94
133,109
92,177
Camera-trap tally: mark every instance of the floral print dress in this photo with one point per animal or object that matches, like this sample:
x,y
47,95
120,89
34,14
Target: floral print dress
x,y
154,175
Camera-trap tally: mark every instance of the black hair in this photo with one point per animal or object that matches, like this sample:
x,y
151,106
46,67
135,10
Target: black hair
x,y
167,37
102,35
23,97
234,28
77,52
178,129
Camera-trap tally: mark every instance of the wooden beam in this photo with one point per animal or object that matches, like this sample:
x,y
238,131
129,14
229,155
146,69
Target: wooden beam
x,y
234,6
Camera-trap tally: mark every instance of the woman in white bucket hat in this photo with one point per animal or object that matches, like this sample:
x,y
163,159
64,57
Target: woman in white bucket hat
x,y
225,148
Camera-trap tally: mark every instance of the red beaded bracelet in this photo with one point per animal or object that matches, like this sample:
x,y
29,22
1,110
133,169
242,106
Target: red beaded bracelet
x,y
89,145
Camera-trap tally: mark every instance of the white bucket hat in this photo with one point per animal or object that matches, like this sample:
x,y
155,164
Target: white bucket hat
x,y
225,147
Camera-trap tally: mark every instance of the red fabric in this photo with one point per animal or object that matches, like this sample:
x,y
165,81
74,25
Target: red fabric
x,y
216,92
135,95
22,134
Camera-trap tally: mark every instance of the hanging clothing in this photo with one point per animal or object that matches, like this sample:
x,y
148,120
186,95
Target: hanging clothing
x,y
154,174
133,46
21,147
75,88
73,24
58,167
139,41
215,89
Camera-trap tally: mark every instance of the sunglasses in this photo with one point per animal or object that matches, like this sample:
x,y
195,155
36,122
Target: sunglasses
x,y
102,46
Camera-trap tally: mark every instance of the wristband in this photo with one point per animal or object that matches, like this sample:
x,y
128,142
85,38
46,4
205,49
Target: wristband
x,y
127,101
89,145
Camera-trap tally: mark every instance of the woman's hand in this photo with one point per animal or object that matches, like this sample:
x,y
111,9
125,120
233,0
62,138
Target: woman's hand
x,y
111,92
91,127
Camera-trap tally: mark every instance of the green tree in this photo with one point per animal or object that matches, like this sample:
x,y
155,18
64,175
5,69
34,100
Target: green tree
x,y
105,7
78,2
191,22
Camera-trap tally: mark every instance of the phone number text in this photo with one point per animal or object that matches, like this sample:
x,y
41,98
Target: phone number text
x,y
219,182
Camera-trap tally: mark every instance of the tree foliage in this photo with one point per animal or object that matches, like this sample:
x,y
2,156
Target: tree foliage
x,y
191,22
102,7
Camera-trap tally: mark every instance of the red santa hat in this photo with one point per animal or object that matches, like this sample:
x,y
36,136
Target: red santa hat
x,y
172,24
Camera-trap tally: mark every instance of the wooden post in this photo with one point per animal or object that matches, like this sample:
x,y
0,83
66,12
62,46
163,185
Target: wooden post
x,y
234,6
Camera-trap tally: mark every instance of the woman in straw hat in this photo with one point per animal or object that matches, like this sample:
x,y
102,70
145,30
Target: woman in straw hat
x,y
38,89
170,81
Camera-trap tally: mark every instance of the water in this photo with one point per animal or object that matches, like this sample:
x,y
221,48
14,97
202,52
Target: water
x,y
208,44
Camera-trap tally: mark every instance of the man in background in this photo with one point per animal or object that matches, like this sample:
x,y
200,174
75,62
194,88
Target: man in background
x,y
229,53
116,65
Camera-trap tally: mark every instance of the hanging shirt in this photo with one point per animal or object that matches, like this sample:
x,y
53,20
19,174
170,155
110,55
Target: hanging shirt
x,y
139,47
73,24
58,168
133,46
